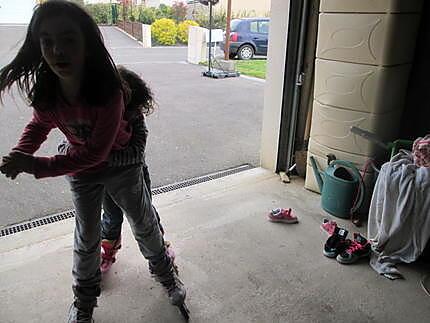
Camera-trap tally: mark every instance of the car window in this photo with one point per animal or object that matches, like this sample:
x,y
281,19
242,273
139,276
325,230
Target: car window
x,y
234,25
263,27
253,26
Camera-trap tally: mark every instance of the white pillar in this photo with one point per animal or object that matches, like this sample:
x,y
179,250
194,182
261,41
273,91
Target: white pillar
x,y
274,83
196,45
146,36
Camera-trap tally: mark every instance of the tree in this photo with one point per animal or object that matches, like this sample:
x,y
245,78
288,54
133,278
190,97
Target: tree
x,y
163,11
179,11
101,12
147,15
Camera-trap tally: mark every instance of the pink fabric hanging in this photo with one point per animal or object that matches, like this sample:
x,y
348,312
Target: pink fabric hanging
x,y
421,151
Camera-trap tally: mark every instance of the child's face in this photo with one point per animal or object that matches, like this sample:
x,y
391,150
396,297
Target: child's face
x,y
63,47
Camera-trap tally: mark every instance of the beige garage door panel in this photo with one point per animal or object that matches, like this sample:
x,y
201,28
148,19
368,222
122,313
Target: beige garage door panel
x,y
384,6
359,87
377,39
331,127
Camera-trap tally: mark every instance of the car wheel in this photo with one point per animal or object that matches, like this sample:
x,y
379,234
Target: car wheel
x,y
245,52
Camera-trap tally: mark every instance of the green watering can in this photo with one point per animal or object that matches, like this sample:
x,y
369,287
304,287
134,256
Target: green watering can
x,y
339,186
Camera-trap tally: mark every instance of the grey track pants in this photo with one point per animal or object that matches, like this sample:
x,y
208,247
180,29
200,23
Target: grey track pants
x,y
127,188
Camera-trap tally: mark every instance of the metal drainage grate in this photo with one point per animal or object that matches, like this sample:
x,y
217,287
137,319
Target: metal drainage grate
x,y
37,223
199,180
159,190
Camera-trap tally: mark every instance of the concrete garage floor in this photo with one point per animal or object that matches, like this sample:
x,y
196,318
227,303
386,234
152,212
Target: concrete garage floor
x,y
237,266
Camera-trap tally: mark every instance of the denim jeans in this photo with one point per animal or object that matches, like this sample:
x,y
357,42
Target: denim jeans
x,y
113,216
127,189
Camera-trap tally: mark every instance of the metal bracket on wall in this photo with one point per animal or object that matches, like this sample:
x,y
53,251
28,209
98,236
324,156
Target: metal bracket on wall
x,y
300,79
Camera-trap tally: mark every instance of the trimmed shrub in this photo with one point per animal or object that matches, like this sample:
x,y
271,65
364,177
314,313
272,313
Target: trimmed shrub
x,y
183,30
147,16
101,12
163,11
164,31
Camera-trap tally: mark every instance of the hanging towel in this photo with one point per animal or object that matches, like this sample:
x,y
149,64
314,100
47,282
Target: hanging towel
x,y
399,215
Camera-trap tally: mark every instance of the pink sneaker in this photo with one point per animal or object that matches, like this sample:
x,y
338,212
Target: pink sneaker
x,y
329,226
283,216
109,250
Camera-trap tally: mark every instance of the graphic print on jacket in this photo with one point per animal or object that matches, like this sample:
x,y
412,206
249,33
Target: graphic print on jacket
x,y
81,129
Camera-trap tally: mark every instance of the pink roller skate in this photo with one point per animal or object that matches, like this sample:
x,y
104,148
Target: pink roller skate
x,y
109,250
111,247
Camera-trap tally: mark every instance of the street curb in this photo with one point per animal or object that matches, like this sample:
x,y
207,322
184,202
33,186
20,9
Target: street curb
x,y
256,79
130,36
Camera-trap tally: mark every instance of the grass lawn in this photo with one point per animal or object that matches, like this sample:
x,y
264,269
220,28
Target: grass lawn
x,y
254,67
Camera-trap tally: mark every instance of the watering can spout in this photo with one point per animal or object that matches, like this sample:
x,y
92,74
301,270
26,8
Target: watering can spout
x,y
317,173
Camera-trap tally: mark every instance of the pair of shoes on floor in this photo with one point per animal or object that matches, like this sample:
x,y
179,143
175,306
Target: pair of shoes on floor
x,y
346,251
281,215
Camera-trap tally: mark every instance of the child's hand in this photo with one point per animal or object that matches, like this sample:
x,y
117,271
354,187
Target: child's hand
x,y
7,168
8,171
16,163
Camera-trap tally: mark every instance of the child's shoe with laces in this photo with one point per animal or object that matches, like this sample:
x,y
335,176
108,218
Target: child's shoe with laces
x,y
358,248
328,226
282,216
336,243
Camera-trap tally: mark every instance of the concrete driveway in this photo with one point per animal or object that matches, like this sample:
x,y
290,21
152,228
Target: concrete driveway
x,y
200,126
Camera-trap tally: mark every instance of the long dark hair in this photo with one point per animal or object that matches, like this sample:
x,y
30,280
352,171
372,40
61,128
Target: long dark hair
x,y
36,81
140,99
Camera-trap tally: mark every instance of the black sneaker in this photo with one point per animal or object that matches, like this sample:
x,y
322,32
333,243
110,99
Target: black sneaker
x,y
359,248
336,243
81,313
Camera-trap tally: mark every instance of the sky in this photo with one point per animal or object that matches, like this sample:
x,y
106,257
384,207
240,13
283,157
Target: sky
x,y
20,11
16,11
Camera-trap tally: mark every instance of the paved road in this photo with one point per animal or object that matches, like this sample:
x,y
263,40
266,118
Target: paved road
x,y
201,125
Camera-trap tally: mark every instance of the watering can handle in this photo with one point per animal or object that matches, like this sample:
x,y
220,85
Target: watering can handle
x,y
357,176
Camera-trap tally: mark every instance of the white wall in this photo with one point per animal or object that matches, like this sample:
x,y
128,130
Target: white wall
x,y
274,83
16,11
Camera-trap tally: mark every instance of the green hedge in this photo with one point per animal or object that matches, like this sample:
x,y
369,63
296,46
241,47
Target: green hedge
x,y
164,31
101,12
